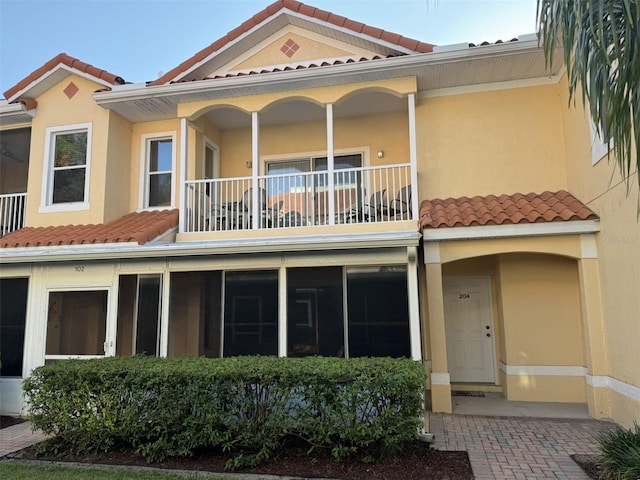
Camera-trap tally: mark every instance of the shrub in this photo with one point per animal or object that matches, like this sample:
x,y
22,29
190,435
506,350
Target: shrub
x,y
620,450
248,406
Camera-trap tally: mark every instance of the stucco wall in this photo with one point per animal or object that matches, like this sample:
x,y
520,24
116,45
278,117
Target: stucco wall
x,y
618,246
542,326
55,109
493,142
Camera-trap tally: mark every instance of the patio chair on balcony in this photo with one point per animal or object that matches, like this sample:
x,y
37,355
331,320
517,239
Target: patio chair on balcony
x,y
400,207
247,209
368,212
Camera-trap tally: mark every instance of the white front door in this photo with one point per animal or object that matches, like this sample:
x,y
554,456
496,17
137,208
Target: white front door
x,y
469,329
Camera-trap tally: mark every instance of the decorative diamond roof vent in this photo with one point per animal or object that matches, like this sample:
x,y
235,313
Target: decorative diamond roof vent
x,y
70,90
289,48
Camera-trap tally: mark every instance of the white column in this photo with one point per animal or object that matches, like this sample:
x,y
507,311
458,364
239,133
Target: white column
x,y
413,155
282,313
164,313
414,304
35,333
330,166
255,158
184,140
112,317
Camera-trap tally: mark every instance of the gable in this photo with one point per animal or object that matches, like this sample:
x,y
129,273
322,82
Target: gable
x,y
292,46
57,70
271,21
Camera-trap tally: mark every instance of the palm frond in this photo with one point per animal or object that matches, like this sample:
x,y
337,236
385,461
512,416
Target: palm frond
x,y
601,51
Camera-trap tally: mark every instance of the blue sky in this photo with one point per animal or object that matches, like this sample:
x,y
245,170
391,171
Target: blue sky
x,y
140,39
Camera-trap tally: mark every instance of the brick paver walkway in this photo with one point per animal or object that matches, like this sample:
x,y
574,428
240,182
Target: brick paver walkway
x,y
498,447
518,447
17,437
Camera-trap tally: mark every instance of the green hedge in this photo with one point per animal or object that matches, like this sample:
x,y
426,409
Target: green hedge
x,y
247,406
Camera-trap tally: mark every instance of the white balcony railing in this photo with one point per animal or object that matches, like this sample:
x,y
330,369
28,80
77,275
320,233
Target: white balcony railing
x,y
360,195
12,206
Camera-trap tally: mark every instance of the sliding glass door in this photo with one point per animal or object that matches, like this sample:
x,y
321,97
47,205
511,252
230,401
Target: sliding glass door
x,y
298,188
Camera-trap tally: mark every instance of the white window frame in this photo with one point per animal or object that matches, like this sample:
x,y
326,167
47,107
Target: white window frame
x,y
109,339
46,197
145,151
599,148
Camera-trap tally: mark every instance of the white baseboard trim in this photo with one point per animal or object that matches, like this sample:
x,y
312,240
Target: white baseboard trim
x,y
596,381
604,381
544,370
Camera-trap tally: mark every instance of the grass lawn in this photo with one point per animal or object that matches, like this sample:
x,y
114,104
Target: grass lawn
x,y
21,471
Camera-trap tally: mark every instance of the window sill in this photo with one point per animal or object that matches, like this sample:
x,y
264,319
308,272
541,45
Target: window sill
x,y
64,207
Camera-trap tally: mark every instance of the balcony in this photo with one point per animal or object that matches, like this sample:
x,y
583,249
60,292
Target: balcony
x,y
362,195
12,208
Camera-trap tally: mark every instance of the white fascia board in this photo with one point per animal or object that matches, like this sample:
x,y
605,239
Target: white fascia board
x,y
15,114
392,64
7,108
517,230
403,238
60,66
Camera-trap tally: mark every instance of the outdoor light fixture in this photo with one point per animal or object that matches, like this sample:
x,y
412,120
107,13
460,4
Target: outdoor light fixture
x,y
248,164
380,153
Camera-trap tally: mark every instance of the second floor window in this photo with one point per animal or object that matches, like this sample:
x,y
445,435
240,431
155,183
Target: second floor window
x,y
159,172
68,160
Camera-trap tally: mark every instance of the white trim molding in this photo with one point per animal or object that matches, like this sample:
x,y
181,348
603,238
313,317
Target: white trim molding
x,y
604,381
595,381
544,370
440,379
588,246
511,230
431,252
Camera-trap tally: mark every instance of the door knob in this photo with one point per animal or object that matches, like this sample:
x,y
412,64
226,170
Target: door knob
x,y
487,327
488,334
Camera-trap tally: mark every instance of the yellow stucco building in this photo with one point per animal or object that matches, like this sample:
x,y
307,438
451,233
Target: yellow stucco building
x,y
310,185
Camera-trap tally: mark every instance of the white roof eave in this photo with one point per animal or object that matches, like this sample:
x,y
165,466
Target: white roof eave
x,y
296,79
114,251
14,113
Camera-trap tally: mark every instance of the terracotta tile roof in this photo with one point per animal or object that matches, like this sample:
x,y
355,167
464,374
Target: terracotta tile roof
x,y
298,67
303,9
497,42
139,227
63,58
506,209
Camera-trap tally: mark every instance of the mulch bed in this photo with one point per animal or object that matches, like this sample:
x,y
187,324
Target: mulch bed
x,y
417,461
590,464
6,421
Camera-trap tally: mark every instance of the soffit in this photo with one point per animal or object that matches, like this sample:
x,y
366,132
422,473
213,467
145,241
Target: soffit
x,y
480,65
